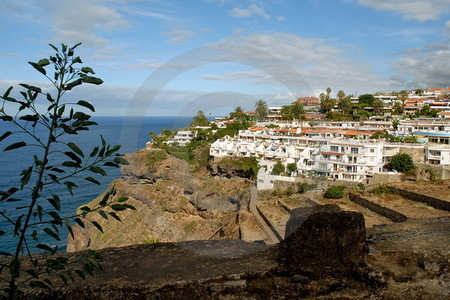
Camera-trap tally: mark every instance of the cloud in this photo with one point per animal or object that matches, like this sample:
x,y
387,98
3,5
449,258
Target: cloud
x,y
179,36
281,18
447,28
250,11
82,22
11,55
288,60
428,66
419,10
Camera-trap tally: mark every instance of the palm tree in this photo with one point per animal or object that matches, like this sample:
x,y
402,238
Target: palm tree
x,y
378,105
328,92
261,109
238,110
341,96
403,96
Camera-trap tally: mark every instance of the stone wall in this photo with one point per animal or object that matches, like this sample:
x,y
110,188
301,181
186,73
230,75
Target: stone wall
x,y
378,209
431,201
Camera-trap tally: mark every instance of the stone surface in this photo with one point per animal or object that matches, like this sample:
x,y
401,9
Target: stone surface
x,y
233,269
327,241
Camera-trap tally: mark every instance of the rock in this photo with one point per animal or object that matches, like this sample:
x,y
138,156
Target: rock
x,y
300,279
327,241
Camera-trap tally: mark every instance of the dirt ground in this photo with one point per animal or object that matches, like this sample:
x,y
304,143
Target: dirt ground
x,y
439,189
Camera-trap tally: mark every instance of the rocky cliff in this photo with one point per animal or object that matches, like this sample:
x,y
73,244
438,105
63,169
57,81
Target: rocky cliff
x,y
173,203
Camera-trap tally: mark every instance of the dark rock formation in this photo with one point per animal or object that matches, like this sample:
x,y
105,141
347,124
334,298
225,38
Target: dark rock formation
x,y
326,241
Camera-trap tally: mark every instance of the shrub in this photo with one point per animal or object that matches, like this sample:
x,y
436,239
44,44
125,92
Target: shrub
x,y
248,164
278,168
382,189
304,187
291,168
155,156
401,162
335,192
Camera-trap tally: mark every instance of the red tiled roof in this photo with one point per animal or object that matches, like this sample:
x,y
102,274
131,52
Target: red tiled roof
x,y
332,153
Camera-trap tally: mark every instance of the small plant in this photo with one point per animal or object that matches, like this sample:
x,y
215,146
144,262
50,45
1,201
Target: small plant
x,y
335,192
291,168
361,187
304,187
432,173
382,189
151,240
155,156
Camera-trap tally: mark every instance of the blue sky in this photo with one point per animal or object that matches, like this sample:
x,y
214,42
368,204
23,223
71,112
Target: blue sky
x,y
175,57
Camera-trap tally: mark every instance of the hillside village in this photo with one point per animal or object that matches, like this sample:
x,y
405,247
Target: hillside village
x,y
348,138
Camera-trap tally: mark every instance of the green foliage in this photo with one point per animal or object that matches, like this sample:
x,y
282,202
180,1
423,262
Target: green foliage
x,y
366,100
432,173
294,111
261,109
54,118
304,187
151,240
335,192
155,156
401,162
291,168
381,189
248,164
278,168
199,120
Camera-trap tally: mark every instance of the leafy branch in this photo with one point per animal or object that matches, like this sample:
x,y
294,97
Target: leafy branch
x,y
39,208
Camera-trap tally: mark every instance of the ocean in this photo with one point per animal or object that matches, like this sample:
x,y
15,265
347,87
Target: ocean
x,y
130,132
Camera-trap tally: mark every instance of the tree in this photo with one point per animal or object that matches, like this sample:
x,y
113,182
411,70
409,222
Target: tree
x,y
199,120
395,124
341,96
378,105
401,162
37,207
328,92
291,168
346,105
403,96
294,111
419,92
366,100
278,168
397,108
261,109
238,114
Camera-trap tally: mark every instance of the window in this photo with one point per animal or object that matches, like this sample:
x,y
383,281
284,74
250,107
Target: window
x,y
372,150
334,149
354,150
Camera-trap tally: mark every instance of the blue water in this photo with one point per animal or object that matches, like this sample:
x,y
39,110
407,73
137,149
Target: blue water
x,y
130,132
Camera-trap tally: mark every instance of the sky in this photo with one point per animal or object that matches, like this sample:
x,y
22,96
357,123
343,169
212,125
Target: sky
x,y
173,58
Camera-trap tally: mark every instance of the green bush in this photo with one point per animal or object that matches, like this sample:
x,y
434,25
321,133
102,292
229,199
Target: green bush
x,y
278,168
335,192
155,156
249,164
304,187
382,189
401,162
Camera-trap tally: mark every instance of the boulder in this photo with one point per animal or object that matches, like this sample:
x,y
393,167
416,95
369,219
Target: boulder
x,y
322,241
